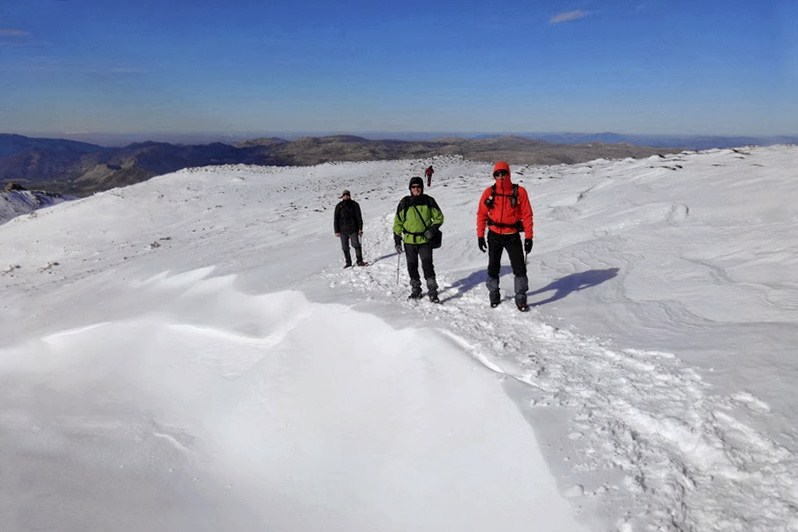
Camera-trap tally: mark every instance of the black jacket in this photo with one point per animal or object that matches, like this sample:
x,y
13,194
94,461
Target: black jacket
x,y
347,217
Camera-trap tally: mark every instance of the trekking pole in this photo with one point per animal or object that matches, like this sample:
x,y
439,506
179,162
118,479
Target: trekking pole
x,y
398,260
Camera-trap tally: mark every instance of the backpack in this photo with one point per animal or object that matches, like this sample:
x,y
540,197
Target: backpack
x,y
490,200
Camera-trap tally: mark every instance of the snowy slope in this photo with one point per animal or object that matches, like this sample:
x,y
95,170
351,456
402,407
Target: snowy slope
x,y
194,340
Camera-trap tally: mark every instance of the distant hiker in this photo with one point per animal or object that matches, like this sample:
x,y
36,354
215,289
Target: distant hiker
x,y
428,173
505,210
419,219
348,225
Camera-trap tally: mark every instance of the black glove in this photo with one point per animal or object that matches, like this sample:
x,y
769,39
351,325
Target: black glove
x,y
397,243
483,247
528,245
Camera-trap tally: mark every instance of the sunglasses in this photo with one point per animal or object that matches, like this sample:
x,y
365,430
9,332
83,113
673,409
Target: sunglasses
x,y
501,173
416,186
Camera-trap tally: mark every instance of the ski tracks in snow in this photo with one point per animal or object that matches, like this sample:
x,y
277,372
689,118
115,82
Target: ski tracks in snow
x,y
646,438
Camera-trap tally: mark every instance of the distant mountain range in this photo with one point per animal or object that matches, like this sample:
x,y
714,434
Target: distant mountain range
x,y
687,142
79,168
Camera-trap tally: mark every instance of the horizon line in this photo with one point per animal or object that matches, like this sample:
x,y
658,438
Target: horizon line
x,y
100,137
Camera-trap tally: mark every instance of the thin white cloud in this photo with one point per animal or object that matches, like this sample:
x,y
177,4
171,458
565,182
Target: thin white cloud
x,y
568,16
6,32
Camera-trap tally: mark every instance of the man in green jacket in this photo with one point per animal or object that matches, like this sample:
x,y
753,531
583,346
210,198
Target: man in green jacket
x,y
418,218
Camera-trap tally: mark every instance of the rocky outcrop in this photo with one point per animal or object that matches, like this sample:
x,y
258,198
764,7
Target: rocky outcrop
x,y
17,202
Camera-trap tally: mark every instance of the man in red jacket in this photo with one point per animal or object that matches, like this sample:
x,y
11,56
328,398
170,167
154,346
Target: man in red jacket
x,y
504,209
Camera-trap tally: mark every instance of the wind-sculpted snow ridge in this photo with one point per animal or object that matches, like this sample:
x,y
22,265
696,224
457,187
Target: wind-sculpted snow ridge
x,y
647,436
245,412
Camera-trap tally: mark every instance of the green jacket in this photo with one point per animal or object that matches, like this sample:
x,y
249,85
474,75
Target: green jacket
x,y
414,215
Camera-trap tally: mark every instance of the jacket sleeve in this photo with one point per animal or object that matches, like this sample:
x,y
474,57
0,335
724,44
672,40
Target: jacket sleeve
x,y
482,213
436,214
398,219
337,219
527,216
359,217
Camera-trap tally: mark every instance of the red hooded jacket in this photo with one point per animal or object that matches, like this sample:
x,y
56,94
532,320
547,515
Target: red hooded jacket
x,y
502,217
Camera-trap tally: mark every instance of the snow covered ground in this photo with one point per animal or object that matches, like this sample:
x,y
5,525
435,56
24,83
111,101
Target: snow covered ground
x,y
188,354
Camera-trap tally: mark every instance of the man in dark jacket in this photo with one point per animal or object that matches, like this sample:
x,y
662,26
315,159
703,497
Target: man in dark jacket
x,y
348,226
419,218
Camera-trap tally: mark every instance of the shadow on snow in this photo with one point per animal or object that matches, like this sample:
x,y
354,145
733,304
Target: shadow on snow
x,y
561,287
573,283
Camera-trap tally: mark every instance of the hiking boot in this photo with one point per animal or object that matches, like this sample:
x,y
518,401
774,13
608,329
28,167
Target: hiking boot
x,y
434,298
361,263
495,299
523,307
414,295
347,265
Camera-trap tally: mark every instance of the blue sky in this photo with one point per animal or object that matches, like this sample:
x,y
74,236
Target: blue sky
x,y
246,67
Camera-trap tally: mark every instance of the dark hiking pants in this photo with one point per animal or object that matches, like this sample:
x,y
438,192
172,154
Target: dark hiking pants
x,y
515,250
414,252
354,240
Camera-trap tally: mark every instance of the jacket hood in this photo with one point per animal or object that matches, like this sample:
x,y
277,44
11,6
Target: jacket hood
x,y
501,165
416,181
504,184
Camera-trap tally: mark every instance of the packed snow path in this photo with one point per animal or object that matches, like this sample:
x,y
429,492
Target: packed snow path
x,y
647,437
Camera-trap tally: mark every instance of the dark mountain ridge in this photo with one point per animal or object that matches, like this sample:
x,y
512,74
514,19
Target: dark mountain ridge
x,y
78,168
11,144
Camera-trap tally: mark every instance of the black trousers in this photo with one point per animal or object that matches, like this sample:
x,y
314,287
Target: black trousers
x,y
496,245
414,252
353,239
515,250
